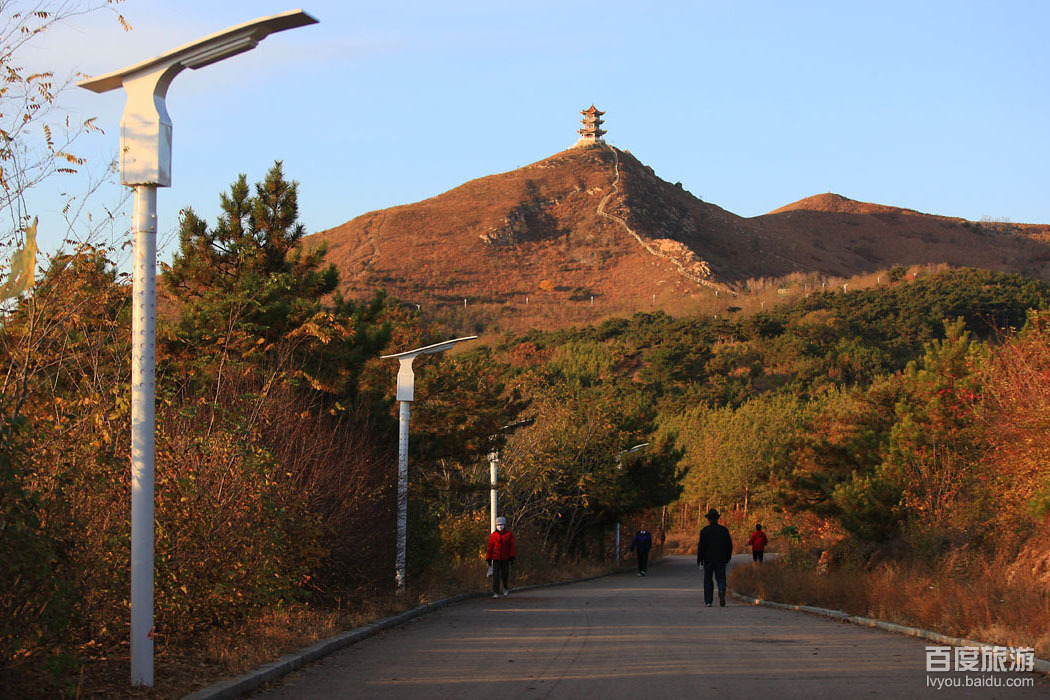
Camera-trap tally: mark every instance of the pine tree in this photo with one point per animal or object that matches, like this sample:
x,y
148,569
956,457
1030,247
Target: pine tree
x,y
251,297
253,254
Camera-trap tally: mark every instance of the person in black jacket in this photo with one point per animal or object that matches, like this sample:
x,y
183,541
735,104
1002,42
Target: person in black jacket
x,y
641,544
714,551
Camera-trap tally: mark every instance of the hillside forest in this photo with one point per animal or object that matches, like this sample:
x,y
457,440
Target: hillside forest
x,y
900,422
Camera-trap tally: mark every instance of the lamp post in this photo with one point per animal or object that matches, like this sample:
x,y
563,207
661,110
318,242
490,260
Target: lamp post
x,y
406,387
494,467
618,466
145,165
493,498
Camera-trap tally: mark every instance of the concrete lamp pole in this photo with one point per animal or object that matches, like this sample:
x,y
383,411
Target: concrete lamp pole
x,y
494,467
618,466
145,165
406,388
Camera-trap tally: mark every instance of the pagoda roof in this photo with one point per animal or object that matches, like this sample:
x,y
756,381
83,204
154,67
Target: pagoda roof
x,y
592,110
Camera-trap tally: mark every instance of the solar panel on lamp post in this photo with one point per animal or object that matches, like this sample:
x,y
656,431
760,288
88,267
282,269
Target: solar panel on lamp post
x,y
406,388
618,466
145,165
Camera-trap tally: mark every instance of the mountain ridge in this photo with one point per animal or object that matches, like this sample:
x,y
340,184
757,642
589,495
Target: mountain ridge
x,y
591,231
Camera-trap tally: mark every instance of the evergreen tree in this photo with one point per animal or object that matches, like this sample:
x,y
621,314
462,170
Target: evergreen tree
x,y
251,297
252,258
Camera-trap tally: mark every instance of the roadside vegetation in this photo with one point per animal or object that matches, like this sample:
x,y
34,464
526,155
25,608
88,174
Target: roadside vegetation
x,y
946,529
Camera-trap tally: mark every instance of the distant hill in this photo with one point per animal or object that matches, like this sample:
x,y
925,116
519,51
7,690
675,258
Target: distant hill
x,y
840,236
837,204
592,232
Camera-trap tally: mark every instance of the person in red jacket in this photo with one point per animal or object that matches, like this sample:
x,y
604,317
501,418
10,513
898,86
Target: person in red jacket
x,y
757,542
499,556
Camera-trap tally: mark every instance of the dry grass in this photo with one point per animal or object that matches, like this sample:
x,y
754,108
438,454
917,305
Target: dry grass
x,y
218,654
969,599
274,633
680,542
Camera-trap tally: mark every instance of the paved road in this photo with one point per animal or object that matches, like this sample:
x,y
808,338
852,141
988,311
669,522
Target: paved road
x,y
629,637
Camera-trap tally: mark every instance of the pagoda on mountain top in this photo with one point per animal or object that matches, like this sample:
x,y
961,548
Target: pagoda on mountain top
x,y
592,130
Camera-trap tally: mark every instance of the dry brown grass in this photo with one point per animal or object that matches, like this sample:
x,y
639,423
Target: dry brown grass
x,y
274,633
970,598
680,542
217,654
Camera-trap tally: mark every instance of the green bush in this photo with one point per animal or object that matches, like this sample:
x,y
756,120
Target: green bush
x,y
36,606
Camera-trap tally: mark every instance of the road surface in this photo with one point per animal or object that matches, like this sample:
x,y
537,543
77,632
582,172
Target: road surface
x,y
633,637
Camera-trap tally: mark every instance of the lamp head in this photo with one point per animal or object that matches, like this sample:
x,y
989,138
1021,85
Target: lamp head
x,y
406,379
145,128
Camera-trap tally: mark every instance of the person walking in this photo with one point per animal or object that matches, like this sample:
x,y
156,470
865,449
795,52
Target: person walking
x,y
713,551
499,555
641,545
757,542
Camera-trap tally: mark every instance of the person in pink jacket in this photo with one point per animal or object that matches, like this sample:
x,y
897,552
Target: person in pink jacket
x,y
499,555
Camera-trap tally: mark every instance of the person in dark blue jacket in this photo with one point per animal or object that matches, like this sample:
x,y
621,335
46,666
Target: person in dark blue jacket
x,y
714,551
641,544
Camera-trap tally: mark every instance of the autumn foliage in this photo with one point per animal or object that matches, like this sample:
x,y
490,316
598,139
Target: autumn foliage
x,y
265,447
275,447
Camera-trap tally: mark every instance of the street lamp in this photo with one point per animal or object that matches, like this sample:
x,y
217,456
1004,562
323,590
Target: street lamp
x,y
618,466
494,466
406,388
145,165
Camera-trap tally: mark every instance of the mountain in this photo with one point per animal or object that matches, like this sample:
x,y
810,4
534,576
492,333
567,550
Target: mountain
x,y
592,232
838,236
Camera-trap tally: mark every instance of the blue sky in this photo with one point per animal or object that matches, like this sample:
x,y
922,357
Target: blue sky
x,y
935,106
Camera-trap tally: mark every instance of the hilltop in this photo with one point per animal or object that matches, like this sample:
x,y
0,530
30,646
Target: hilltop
x,y
835,235
593,232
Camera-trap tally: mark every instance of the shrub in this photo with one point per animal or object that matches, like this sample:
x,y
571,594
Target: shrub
x,y
35,605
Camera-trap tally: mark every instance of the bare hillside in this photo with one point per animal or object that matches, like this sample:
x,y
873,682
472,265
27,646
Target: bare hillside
x,y
592,232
